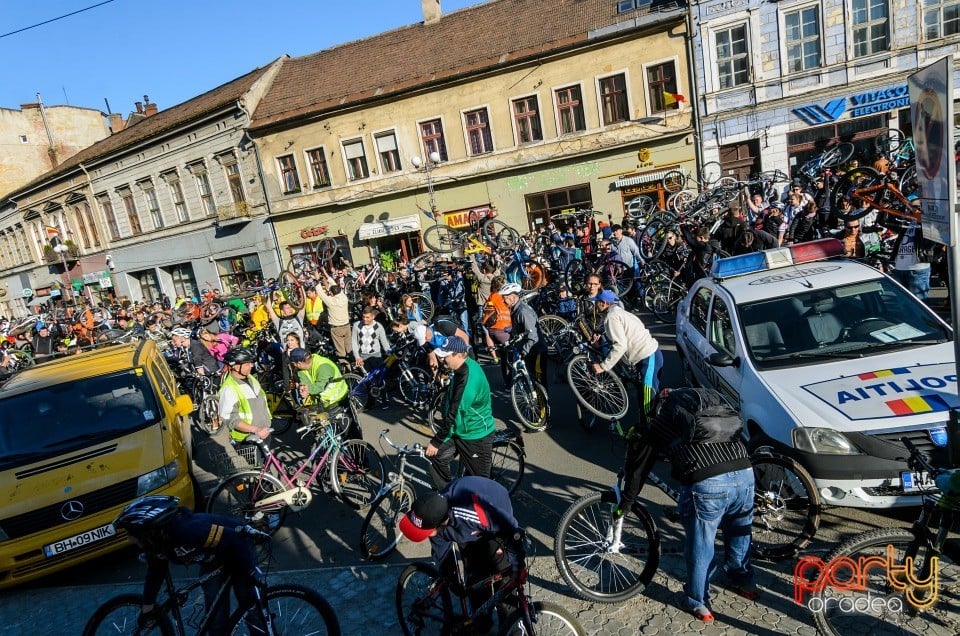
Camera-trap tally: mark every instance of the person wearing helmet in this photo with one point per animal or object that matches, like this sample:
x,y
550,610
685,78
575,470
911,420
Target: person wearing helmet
x,y
169,532
526,333
243,403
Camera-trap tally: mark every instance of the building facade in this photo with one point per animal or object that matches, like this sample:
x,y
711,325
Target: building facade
x,y
571,105
779,81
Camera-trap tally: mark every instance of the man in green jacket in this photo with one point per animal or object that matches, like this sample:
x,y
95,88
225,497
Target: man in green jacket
x,y
320,380
467,427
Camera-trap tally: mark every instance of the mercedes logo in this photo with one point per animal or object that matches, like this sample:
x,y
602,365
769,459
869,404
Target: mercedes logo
x,y
71,510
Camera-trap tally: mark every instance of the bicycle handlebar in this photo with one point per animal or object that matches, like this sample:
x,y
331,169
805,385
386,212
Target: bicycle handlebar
x,y
253,533
417,449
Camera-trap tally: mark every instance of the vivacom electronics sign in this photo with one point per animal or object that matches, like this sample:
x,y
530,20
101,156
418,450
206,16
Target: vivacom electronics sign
x,y
859,105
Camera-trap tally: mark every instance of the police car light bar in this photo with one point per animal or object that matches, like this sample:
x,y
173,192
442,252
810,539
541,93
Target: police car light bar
x,y
776,258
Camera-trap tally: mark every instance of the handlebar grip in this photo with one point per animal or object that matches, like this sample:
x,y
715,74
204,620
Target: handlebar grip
x,y
252,532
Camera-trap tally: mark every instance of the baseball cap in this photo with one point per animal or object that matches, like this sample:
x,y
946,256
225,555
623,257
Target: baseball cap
x,y
299,355
426,515
606,296
510,288
454,344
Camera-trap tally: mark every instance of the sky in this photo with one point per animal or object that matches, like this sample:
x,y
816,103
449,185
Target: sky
x,y
171,50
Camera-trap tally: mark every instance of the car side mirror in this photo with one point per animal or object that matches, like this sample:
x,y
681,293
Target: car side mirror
x,y
183,406
722,360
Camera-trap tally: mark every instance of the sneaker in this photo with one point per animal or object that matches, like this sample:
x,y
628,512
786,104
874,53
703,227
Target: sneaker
x,y
748,591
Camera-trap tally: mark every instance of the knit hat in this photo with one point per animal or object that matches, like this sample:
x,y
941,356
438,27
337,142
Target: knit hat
x,y
454,344
425,516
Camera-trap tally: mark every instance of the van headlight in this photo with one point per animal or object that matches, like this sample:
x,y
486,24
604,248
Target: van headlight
x,y
157,478
825,441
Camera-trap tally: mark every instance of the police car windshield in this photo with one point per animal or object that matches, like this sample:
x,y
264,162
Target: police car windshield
x,y
864,318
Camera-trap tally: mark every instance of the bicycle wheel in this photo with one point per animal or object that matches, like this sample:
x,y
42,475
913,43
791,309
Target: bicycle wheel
x,y
435,413
416,386
207,417
359,393
356,472
119,616
530,403
549,618
292,290
441,238
423,601
534,276
603,560
425,304
786,511
619,277
835,610
680,201
326,249
603,394
674,181
575,276
378,532
551,325
848,187
641,207
353,291
888,141
909,182
293,609
664,306
509,462
239,496
711,172
209,310
836,155
653,239
499,235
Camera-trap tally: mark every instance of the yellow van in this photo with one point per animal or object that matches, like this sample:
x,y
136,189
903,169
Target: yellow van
x,y
80,438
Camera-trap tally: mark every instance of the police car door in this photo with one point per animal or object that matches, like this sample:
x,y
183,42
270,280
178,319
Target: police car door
x,y
721,338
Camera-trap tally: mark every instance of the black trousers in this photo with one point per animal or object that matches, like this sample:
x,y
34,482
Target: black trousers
x,y
475,454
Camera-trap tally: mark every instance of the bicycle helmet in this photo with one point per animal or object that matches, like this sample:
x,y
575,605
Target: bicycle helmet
x,y
146,519
238,355
183,332
510,288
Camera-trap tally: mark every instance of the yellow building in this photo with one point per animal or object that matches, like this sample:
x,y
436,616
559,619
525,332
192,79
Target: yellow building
x,y
518,108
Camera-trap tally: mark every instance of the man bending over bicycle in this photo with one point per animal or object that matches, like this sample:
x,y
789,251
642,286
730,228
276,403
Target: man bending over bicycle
x,y
168,532
476,514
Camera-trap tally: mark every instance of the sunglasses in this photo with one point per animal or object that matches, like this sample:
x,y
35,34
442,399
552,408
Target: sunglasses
x,y
852,227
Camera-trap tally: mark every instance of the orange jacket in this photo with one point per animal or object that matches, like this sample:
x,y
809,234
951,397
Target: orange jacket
x,y
496,314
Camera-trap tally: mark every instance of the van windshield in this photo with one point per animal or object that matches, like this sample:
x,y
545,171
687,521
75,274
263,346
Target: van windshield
x,y
855,320
64,417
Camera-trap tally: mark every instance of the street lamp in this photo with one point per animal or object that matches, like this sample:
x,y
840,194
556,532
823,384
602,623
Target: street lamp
x,y
433,160
62,249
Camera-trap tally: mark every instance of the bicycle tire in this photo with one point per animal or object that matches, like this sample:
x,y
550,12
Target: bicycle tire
x,y
711,172
940,620
442,239
416,386
207,416
530,403
680,201
674,181
534,276
551,618
423,602
909,182
888,141
575,276
379,534
550,325
786,504
360,398
664,306
640,207
427,260
293,609
352,290
356,473
603,394
590,563
209,311
508,464
836,155
326,249
119,616
435,413
847,185
619,276
238,495
292,289
498,235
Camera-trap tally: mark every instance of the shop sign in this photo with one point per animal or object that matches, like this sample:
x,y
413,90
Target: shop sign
x,y
461,218
105,282
54,293
311,232
27,292
868,103
390,227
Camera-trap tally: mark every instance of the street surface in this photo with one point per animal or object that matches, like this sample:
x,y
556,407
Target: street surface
x,y
319,546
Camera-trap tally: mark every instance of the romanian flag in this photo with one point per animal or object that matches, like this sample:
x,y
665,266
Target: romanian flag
x,y
918,404
669,99
873,375
52,231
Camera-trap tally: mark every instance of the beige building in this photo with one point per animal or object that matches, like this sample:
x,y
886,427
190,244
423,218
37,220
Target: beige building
x,y
38,138
532,108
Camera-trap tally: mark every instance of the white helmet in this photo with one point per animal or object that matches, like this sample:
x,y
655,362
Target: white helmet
x,y
183,332
510,288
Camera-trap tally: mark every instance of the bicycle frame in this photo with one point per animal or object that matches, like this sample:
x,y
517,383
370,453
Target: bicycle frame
x,y
297,495
863,195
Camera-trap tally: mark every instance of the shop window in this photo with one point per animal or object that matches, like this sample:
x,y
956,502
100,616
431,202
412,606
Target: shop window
x,y
570,110
479,138
733,56
940,19
871,27
431,134
387,151
319,173
289,179
803,39
356,158
238,271
526,116
662,86
614,105
310,249
149,287
806,144
543,205
184,283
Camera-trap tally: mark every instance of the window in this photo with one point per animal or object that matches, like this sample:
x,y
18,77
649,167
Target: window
x,y
184,283
941,18
82,226
289,179
733,64
206,193
235,181
629,5
153,204
130,207
309,250
570,110
699,306
179,203
479,137
431,133
613,99
149,287
237,271
107,206
721,328
318,168
386,144
543,205
803,39
527,119
356,159
870,27
88,214
662,84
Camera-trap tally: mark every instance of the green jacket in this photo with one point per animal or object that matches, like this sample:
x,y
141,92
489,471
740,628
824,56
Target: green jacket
x,y
468,413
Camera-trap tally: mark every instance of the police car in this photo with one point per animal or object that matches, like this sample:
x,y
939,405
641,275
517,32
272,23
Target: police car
x,y
831,362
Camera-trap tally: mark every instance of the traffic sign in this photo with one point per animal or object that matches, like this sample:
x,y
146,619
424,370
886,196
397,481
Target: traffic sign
x,y
27,292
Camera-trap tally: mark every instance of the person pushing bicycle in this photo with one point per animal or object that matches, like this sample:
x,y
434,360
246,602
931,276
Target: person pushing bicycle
x,y
170,533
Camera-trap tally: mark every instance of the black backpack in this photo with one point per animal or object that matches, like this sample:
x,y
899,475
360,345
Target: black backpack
x,y
694,416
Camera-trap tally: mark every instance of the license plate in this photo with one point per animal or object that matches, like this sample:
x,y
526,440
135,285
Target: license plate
x,y
79,540
913,482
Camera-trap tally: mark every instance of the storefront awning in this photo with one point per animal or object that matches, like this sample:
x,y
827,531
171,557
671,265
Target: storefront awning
x,y
390,227
624,182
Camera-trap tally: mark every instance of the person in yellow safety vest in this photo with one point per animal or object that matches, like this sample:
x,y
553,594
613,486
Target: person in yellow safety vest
x,y
314,314
320,379
243,403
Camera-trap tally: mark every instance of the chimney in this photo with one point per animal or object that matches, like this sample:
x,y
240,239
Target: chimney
x,y
150,109
431,10
116,122
139,106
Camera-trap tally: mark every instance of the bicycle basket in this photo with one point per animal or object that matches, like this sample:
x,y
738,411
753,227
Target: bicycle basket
x,y
247,457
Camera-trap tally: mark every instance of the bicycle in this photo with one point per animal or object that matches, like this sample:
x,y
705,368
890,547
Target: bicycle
x,y
609,558
379,535
414,382
919,582
529,397
355,473
430,603
867,190
282,609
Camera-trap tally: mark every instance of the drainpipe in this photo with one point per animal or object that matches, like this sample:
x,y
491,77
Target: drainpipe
x,y
52,151
263,185
695,102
